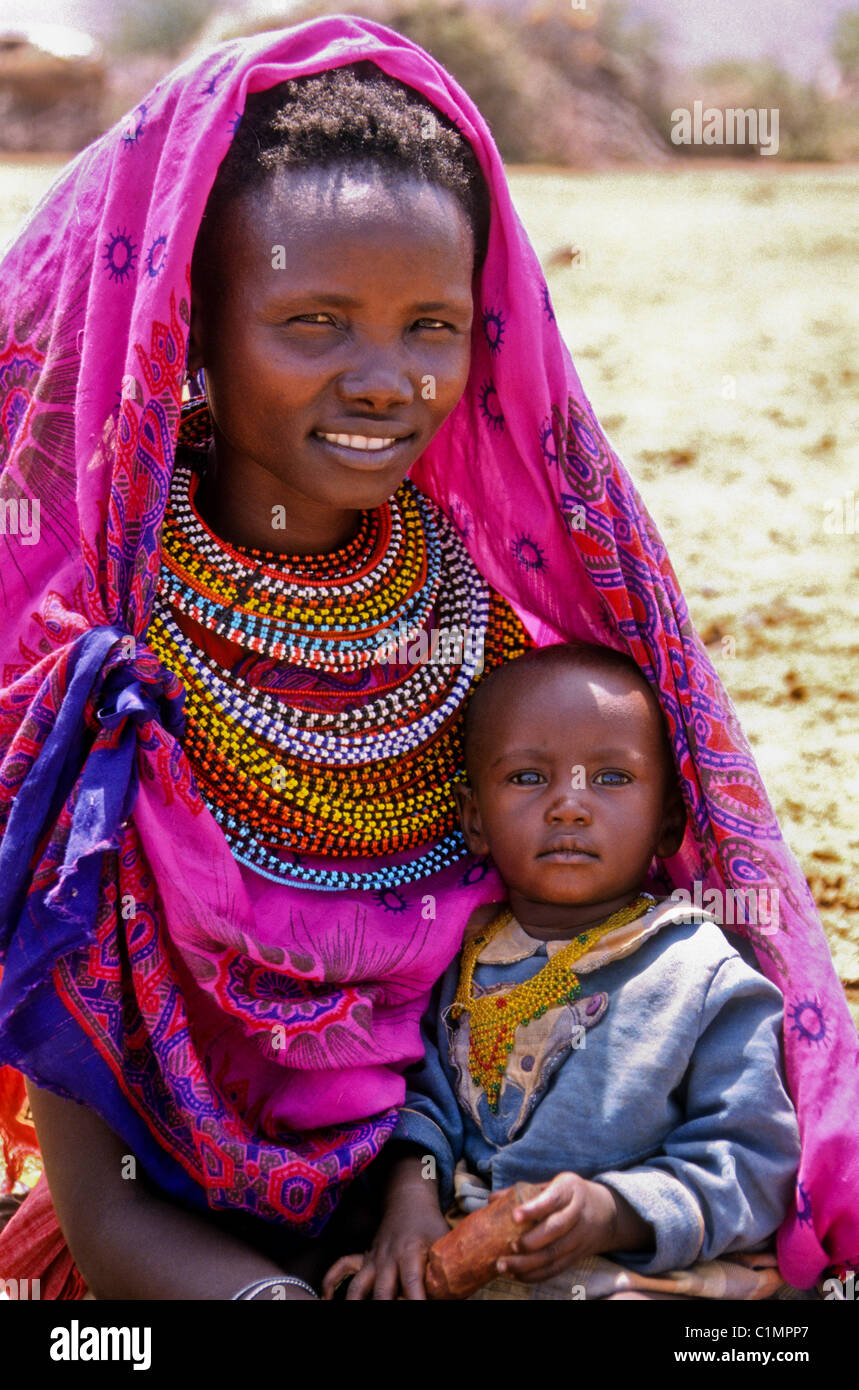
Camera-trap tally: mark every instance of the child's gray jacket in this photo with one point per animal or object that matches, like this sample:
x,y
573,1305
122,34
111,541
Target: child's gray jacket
x,y
663,1080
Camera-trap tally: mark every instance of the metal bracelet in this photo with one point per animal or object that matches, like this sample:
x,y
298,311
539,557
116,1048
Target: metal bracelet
x,y
246,1294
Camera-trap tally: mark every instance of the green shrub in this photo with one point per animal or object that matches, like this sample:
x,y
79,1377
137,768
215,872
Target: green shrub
x,y
805,119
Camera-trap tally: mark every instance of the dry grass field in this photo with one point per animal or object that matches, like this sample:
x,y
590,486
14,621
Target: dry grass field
x,y
713,314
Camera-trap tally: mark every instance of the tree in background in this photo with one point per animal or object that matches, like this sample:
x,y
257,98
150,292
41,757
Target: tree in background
x,y
641,45
845,45
157,26
804,118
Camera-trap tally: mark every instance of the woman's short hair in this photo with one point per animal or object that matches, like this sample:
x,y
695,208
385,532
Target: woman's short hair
x,y
352,116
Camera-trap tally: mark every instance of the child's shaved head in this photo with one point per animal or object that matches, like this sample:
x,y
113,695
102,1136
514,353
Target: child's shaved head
x,y
511,682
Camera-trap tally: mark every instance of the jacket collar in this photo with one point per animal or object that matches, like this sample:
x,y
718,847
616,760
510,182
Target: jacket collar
x,y
513,942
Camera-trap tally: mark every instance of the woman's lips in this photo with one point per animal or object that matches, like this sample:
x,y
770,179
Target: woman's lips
x,y
363,450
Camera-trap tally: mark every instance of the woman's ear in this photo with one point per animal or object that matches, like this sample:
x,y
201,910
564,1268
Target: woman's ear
x,y
469,818
673,823
201,281
195,345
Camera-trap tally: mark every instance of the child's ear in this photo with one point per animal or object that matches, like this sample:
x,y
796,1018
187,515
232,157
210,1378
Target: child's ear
x,y
673,823
469,818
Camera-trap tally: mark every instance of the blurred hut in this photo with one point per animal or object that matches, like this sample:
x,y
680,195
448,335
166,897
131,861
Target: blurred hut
x,y
52,83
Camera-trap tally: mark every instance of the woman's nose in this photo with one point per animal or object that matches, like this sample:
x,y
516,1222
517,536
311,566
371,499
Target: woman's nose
x,y
380,379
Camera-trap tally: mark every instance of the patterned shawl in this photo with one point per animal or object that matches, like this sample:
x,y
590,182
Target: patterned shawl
x,y
113,1004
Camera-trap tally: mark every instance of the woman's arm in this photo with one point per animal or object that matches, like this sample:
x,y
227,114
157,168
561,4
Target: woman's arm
x,y
127,1242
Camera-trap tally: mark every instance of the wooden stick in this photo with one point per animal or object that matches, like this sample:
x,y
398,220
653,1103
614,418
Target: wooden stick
x,y
464,1260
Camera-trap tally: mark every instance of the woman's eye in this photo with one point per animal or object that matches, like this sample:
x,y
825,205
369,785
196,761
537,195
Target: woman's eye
x,y
326,320
612,779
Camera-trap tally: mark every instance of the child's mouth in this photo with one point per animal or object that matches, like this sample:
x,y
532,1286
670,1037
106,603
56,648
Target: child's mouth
x,y
567,856
571,853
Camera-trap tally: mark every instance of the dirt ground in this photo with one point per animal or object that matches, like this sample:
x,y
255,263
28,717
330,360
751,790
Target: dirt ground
x,y
713,315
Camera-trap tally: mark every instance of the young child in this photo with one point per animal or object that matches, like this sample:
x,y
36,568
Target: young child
x,y
615,1048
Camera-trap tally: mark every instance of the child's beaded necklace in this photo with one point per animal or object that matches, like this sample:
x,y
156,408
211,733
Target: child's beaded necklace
x,y
495,1017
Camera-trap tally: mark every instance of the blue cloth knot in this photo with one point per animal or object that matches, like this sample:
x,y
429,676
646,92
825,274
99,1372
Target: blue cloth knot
x,y
130,689
130,701
127,696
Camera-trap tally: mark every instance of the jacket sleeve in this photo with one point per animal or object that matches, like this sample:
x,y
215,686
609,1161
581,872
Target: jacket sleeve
x,y
430,1116
724,1176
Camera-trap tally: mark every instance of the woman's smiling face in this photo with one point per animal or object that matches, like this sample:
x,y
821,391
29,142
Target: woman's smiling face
x,y
359,330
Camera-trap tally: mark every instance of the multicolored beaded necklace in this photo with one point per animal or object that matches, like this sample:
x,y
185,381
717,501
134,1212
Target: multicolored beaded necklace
x,y
329,612
494,1017
370,781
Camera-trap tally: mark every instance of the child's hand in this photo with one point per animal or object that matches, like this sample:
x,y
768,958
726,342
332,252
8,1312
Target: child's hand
x,y
395,1265
577,1218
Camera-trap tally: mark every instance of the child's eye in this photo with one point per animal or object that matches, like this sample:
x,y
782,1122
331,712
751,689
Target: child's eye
x,y
433,323
526,779
313,318
611,778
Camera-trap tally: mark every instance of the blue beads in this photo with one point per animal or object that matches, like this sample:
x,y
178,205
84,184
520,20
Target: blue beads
x,y
447,852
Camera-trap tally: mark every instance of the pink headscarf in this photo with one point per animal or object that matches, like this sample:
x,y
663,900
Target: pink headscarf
x,y
93,337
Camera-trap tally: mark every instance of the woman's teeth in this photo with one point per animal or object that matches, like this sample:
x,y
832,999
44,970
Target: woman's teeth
x,y
357,441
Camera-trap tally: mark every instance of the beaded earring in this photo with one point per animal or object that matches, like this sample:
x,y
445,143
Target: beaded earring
x,y
194,387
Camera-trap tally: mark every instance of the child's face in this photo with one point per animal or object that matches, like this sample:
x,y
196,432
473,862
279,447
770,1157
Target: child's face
x,y
571,793
359,326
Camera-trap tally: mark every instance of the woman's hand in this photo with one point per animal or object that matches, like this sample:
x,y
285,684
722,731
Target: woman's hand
x,y
340,1270
576,1218
395,1265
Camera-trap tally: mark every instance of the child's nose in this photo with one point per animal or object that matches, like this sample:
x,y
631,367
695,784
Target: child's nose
x,y
570,805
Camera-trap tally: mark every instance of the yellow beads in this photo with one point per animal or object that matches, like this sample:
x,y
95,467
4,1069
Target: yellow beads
x,y
494,1018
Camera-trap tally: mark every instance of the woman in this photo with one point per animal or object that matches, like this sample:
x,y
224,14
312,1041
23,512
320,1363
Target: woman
x,y
213,937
